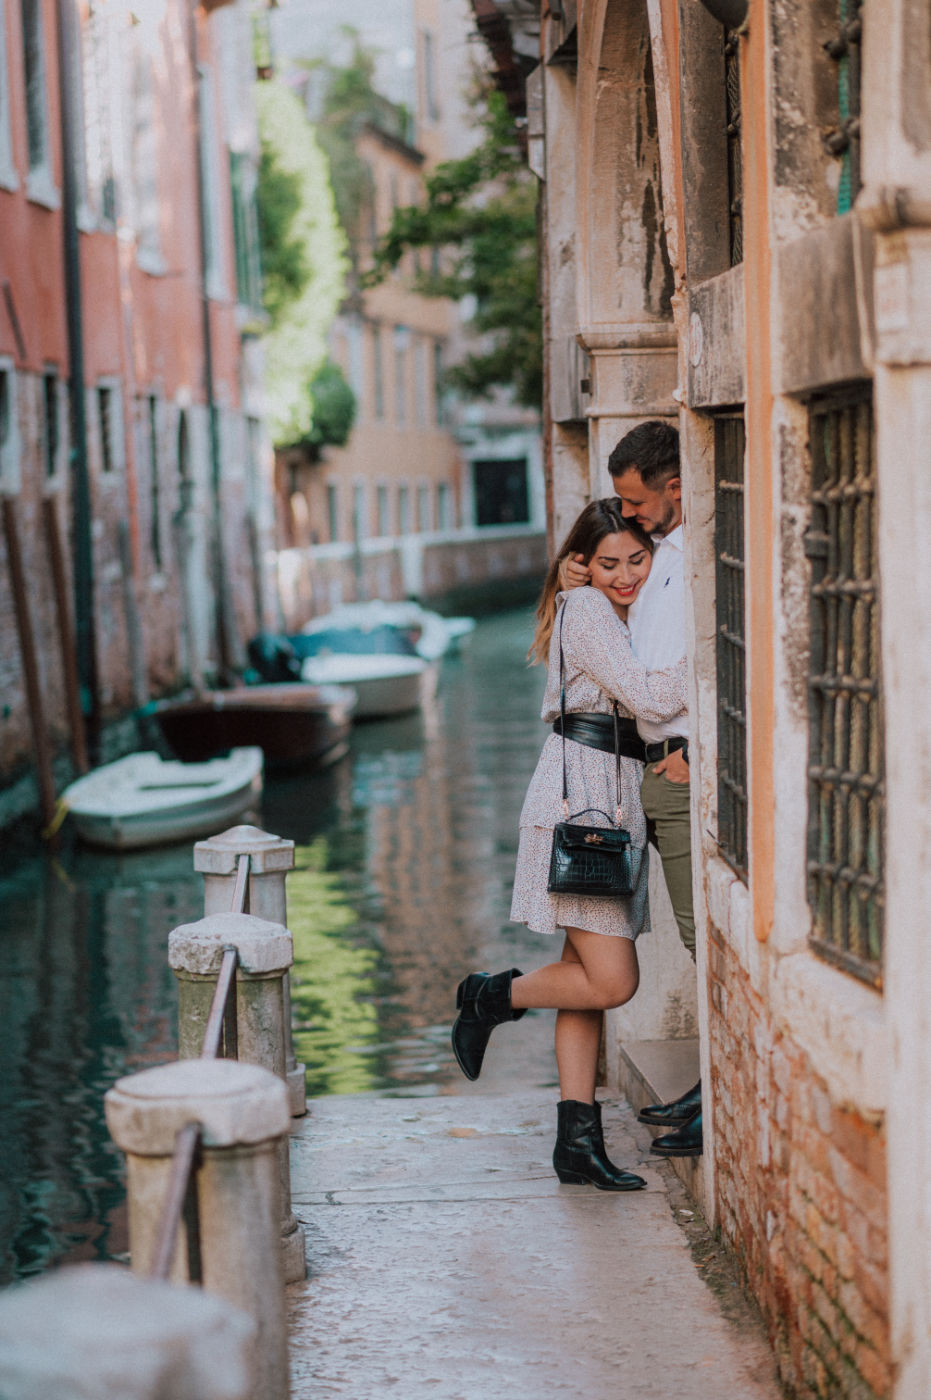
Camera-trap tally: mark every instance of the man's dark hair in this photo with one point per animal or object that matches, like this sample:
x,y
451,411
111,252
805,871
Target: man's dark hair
x,y
652,449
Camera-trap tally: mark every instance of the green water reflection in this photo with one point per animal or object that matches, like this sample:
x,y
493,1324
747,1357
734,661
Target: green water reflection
x,y
404,861
333,979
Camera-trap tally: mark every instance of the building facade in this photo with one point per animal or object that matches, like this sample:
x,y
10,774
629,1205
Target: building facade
x,y
399,472
736,204
424,473
131,402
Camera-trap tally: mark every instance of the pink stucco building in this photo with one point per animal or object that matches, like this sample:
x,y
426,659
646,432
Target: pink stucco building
x,y
128,272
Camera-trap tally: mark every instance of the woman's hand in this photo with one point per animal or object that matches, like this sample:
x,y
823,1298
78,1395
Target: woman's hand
x,y
574,572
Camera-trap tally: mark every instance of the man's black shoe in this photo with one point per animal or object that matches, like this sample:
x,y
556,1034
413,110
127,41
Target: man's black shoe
x,y
670,1115
687,1142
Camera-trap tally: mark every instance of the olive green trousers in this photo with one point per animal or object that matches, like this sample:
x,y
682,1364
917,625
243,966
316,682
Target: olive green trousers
x,y
669,825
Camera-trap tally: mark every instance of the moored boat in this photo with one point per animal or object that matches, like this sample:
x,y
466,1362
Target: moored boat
x,y
292,722
145,800
429,633
385,684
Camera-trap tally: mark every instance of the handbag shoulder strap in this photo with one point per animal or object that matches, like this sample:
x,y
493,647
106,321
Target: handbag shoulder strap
x,y
562,730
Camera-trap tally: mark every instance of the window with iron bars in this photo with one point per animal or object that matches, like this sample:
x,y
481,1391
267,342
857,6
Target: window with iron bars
x,y
730,640
844,141
734,162
845,757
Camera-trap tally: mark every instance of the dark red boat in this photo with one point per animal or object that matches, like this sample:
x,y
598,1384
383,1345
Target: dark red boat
x,y
293,723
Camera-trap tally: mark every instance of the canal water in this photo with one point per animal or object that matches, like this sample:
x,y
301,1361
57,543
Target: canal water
x,y
404,860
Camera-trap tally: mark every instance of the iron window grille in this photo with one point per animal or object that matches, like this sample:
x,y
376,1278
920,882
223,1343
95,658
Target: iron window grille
x,y
155,482
51,439
105,425
734,162
730,640
845,764
844,141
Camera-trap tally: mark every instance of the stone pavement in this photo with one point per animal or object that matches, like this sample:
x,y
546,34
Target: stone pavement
x,y
446,1261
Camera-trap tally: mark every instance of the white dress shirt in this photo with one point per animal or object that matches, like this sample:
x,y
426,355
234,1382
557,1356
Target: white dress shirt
x,y
657,626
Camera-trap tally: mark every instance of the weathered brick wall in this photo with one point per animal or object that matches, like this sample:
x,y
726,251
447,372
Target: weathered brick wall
x,y
467,563
801,1190
157,592
448,567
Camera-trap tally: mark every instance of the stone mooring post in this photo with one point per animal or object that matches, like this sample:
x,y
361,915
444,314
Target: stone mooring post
x,y
271,857
195,952
99,1330
243,1112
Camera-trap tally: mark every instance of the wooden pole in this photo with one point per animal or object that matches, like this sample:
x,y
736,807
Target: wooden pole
x,y
134,633
69,662
27,650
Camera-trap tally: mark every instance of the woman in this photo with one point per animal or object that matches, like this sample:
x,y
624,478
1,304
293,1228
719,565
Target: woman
x,y
598,968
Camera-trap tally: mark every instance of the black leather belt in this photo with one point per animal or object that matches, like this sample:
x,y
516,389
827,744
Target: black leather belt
x,y
597,732
655,752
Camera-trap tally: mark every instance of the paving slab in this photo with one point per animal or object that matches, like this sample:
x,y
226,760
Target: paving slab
x,y
446,1261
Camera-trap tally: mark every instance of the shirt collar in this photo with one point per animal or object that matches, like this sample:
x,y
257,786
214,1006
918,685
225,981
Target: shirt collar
x,y
675,538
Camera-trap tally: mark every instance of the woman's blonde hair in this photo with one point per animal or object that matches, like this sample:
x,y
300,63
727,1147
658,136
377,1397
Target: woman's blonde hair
x,y
598,519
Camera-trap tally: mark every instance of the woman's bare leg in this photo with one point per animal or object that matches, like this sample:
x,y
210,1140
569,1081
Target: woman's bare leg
x,y
578,1040
578,1032
605,974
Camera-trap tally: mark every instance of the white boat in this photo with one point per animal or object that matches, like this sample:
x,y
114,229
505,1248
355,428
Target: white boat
x,y
431,634
145,800
385,684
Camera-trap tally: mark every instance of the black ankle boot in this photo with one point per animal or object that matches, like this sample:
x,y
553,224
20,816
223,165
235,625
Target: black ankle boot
x,y
484,1002
671,1115
685,1142
579,1156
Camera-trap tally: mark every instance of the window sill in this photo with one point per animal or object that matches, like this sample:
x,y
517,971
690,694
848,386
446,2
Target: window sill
x,y
9,180
40,189
150,261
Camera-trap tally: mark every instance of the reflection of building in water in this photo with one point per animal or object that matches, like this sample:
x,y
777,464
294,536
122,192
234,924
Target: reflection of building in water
x,y
85,996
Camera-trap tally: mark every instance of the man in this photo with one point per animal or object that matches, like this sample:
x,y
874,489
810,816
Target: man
x,y
645,471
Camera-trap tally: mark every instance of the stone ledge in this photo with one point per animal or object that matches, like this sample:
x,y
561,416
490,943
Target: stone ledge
x,y
656,1071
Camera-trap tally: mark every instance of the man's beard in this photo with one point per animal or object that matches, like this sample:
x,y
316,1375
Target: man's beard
x,y
666,524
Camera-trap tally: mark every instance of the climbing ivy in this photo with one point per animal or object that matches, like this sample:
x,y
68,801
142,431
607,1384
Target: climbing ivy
x,y
303,260
480,216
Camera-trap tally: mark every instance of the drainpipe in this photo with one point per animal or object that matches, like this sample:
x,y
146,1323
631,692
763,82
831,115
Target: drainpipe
x,y
227,639
85,621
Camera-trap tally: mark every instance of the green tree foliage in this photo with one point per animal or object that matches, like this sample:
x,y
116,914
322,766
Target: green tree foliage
x,y
334,407
349,102
303,260
480,211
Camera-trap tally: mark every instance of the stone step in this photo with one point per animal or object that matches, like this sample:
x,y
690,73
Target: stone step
x,y
658,1071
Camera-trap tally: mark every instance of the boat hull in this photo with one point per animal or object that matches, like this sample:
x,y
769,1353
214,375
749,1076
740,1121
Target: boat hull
x,y
134,803
293,724
429,634
384,685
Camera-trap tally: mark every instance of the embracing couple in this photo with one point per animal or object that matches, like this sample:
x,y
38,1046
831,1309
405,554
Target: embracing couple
x,y
611,628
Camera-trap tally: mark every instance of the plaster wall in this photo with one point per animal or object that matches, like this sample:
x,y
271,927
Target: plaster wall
x,y
896,204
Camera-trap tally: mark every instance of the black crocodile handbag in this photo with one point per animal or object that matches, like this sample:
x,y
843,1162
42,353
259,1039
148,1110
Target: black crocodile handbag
x,y
589,860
